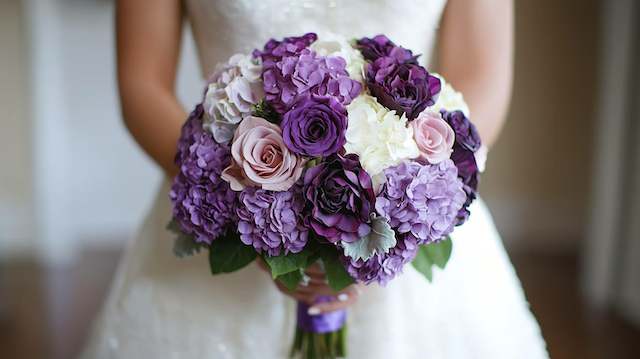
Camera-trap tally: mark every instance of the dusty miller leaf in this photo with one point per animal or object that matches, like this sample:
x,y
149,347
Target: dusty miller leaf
x,y
378,241
184,245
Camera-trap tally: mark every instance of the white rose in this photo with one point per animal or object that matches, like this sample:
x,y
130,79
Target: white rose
x,y
379,136
335,45
232,91
449,99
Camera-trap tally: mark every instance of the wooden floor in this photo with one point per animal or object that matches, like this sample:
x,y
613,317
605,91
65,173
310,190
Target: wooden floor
x,y
48,313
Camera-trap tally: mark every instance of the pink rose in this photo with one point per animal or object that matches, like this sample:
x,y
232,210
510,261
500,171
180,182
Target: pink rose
x,y
260,158
433,136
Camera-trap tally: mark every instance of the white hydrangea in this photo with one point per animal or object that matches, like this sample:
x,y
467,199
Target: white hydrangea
x,y
335,45
233,89
380,137
449,99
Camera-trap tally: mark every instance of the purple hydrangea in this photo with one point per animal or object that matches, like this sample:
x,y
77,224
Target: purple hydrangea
x,y
306,75
380,46
203,203
315,127
275,50
467,143
340,198
382,268
406,88
421,199
271,221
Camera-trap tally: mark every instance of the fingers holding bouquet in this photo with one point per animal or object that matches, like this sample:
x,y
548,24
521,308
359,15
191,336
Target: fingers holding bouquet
x,y
315,285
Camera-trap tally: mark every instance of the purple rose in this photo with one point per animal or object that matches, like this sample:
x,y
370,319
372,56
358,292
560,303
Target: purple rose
x,y
315,127
468,172
406,88
466,134
467,143
380,46
272,221
306,75
340,198
275,50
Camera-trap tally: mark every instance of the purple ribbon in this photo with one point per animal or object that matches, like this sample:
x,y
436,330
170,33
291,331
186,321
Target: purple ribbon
x,y
321,323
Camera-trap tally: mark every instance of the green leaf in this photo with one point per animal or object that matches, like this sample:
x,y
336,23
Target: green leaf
x,y
184,245
337,275
441,252
291,279
228,254
283,264
434,254
264,110
379,240
174,226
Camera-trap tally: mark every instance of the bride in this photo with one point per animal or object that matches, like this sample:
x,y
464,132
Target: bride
x,y
164,307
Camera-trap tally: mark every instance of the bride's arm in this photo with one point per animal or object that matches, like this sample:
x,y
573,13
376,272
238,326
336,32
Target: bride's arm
x,y
476,57
148,45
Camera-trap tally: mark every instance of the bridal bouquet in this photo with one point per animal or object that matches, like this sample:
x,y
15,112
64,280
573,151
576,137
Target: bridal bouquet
x,y
344,153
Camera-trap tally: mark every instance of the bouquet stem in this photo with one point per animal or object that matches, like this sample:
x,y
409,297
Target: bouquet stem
x,y
322,336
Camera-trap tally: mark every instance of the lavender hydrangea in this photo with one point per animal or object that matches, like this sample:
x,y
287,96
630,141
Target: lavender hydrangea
x,y
275,50
203,204
306,75
272,221
382,268
421,199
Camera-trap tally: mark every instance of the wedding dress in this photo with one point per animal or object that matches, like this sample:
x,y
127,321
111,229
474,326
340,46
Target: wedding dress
x,y
161,306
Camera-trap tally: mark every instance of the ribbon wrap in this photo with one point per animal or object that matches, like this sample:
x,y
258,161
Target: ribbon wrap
x,y
321,323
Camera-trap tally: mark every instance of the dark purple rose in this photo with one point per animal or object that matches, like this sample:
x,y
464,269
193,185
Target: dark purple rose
x,y
406,88
467,143
275,50
340,198
466,134
315,127
203,203
380,46
382,268
468,172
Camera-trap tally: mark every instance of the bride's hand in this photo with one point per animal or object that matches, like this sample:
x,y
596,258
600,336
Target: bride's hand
x,y
317,286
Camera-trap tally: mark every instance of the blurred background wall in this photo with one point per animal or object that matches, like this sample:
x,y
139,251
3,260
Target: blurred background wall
x,y
71,175
537,180
16,199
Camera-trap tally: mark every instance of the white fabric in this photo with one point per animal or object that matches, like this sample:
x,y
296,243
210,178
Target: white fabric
x,y
161,306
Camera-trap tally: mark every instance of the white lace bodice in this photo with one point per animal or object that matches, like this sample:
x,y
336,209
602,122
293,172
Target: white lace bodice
x,y
224,27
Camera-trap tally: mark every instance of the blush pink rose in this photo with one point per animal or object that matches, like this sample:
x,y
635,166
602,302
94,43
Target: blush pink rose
x,y
434,136
260,158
